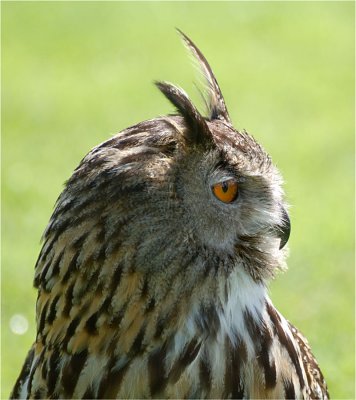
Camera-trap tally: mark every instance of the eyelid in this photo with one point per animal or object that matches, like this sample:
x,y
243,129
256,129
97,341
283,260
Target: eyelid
x,y
225,176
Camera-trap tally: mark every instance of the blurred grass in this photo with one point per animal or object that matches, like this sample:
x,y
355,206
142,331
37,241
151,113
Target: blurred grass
x,y
75,73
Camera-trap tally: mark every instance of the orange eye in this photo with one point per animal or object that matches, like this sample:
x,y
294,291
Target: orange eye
x,y
226,191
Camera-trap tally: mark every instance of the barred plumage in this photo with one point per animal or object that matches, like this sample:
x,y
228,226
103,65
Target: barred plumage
x,y
149,286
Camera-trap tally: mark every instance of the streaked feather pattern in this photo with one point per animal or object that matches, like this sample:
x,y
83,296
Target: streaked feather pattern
x,y
148,287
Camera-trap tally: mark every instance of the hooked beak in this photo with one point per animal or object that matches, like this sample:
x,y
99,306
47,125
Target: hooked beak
x,y
283,230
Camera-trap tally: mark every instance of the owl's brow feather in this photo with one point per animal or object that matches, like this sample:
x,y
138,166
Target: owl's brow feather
x,y
197,132
216,103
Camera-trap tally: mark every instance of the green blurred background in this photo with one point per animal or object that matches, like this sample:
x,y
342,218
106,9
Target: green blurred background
x,y
75,73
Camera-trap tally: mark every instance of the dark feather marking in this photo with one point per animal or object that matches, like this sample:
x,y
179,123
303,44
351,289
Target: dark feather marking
x,y
90,325
52,310
110,384
81,284
115,239
38,393
74,219
116,319
165,144
168,149
262,340
36,364
71,372
205,377
55,268
44,273
137,346
108,143
187,356
269,367
100,255
157,125
25,371
43,254
128,142
89,393
119,189
100,237
36,281
235,357
128,138
71,267
289,389
86,204
44,370
58,229
133,141
41,278
62,207
53,371
161,324
83,215
208,320
104,308
87,163
226,137
286,342
89,281
157,371
150,305
116,278
77,243
68,300
71,330
144,289
270,373
42,322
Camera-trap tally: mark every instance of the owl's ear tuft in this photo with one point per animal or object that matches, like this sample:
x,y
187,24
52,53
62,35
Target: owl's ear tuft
x,y
216,103
198,131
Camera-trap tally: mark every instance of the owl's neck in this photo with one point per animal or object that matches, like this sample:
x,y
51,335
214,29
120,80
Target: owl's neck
x,y
240,297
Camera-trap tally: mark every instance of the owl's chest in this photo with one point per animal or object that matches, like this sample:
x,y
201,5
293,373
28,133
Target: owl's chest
x,y
220,356
203,370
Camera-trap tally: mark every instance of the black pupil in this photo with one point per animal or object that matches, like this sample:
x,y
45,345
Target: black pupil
x,y
225,187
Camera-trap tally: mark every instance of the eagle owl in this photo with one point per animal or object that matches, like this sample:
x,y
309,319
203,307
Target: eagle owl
x,y
152,279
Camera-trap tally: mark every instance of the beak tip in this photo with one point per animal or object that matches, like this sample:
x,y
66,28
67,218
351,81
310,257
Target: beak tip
x,y
284,230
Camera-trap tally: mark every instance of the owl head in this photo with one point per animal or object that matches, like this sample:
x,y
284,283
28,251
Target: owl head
x,y
168,202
